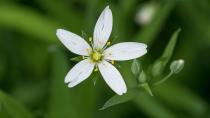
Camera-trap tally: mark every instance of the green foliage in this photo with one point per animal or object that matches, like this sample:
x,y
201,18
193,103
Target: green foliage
x,y
160,64
149,32
116,99
181,98
152,107
13,108
60,99
28,21
33,65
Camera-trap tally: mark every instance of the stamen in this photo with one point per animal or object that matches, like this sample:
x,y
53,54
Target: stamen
x,y
107,44
112,61
91,41
96,69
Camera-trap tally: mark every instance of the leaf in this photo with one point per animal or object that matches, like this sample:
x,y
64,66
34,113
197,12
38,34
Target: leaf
x,y
148,34
160,64
182,98
13,108
60,100
3,63
28,21
116,99
152,107
64,12
168,52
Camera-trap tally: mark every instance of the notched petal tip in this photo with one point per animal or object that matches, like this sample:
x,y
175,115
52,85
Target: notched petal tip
x,y
66,80
70,85
107,7
122,92
103,28
58,31
145,45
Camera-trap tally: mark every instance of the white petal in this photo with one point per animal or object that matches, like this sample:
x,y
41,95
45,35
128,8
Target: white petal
x,y
103,28
73,42
112,77
125,51
79,72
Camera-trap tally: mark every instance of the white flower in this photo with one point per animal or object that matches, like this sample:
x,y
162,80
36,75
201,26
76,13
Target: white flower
x,y
97,56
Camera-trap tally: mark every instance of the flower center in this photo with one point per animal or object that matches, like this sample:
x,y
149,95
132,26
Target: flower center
x,y
96,56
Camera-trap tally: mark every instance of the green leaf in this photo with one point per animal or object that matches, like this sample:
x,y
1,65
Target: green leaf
x,y
60,100
63,11
28,21
182,98
160,64
168,52
148,33
13,108
116,99
3,65
152,107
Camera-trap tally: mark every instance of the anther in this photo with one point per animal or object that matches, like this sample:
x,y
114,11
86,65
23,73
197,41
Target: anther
x,y
112,61
96,69
90,39
108,43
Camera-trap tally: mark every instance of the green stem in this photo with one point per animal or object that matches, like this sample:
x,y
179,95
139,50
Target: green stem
x,y
164,79
147,88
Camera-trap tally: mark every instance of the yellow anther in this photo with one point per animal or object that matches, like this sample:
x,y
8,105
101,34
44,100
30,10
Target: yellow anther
x,y
112,61
96,69
108,43
90,39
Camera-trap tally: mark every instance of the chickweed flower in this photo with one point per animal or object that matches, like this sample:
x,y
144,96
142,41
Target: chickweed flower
x,y
99,56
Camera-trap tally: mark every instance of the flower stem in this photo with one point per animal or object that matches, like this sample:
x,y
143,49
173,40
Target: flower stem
x,y
164,79
147,88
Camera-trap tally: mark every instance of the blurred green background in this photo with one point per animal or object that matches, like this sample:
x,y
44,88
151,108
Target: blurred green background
x,y
33,62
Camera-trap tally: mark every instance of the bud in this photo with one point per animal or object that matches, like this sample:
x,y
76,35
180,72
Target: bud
x,y
135,67
142,77
157,68
176,66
